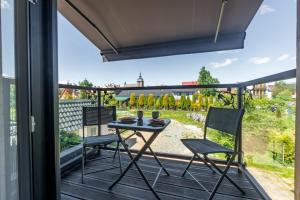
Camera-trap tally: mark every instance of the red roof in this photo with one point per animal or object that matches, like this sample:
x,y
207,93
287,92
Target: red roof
x,y
189,83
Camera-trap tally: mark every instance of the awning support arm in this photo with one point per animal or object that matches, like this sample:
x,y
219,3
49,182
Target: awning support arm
x,y
92,24
220,19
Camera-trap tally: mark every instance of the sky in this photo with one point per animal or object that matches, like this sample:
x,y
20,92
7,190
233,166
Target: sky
x,y
270,47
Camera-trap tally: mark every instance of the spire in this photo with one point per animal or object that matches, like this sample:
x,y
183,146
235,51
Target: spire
x,y
140,80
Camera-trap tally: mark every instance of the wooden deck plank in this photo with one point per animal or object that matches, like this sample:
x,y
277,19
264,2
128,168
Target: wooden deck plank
x,y
83,192
178,165
206,176
133,186
67,197
226,189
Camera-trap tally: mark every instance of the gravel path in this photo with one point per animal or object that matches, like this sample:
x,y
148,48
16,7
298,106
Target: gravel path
x,y
169,140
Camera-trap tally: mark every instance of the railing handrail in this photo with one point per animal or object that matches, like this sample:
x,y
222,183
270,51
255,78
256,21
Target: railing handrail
x,y
272,78
267,79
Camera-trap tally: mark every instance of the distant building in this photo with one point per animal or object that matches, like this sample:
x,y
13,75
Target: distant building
x,y
260,90
139,82
189,83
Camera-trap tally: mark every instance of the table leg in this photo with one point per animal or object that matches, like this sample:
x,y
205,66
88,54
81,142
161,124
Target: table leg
x,y
133,161
154,155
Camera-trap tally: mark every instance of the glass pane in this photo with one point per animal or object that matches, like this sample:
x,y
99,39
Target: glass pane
x,y
8,123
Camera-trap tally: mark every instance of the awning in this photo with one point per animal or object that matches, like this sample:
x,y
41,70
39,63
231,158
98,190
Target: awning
x,y
130,29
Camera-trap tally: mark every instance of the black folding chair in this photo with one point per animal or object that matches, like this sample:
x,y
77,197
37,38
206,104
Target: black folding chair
x,y
227,121
91,118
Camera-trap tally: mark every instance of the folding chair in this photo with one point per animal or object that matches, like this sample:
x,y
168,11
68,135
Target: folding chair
x,y
91,118
228,121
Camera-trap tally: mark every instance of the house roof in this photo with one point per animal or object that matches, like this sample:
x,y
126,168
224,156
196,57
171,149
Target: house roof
x,y
130,29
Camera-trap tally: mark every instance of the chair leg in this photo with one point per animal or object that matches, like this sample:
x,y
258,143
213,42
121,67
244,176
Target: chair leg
x,y
118,144
188,166
204,160
119,156
224,174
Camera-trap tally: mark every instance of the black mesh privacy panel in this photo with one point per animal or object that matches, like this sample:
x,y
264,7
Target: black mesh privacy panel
x,y
91,115
224,119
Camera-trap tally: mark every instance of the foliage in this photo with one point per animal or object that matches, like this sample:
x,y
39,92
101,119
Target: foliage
x,y
109,98
221,138
166,101
132,100
141,100
182,103
188,103
281,86
158,103
200,101
150,101
172,103
194,98
206,78
68,94
68,139
84,94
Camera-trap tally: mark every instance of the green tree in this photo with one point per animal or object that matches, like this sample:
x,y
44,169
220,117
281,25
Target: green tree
x,y
132,100
188,102
205,102
84,94
210,100
172,102
166,101
141,100
182,102
194,98
206,78
200,101
145,102
158,103
281,86
150,101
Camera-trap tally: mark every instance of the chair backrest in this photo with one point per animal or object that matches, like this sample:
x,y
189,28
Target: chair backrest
x,y
90,115
224,120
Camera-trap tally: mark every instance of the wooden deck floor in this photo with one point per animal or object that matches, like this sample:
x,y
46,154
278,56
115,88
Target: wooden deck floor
x,y
132,185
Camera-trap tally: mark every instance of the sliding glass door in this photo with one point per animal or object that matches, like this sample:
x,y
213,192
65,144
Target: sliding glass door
x,y
8,112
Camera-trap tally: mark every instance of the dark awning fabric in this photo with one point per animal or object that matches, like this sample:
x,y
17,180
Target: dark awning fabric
x,y
131,29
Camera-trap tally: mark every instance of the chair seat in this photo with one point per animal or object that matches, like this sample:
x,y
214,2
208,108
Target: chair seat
x,y
101,140
202,146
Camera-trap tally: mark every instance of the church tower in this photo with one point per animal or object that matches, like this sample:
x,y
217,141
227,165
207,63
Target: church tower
x,y
140,81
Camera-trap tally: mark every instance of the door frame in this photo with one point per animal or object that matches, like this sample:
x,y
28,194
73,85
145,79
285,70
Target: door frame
x,y
37,88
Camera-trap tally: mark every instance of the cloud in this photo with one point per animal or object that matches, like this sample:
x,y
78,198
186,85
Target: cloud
x,y
265,9
293,58
283,57
260,60
225,63
5,4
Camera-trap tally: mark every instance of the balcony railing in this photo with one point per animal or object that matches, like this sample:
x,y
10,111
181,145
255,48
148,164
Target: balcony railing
x,y
237,95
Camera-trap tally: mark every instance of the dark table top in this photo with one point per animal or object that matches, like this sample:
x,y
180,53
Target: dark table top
x,y
143,125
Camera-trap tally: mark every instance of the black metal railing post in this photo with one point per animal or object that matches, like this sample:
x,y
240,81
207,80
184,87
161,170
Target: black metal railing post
x,y
240,141
99,111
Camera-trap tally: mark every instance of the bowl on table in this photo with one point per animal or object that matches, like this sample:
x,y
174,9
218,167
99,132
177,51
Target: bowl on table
x,y
127,120
156,122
